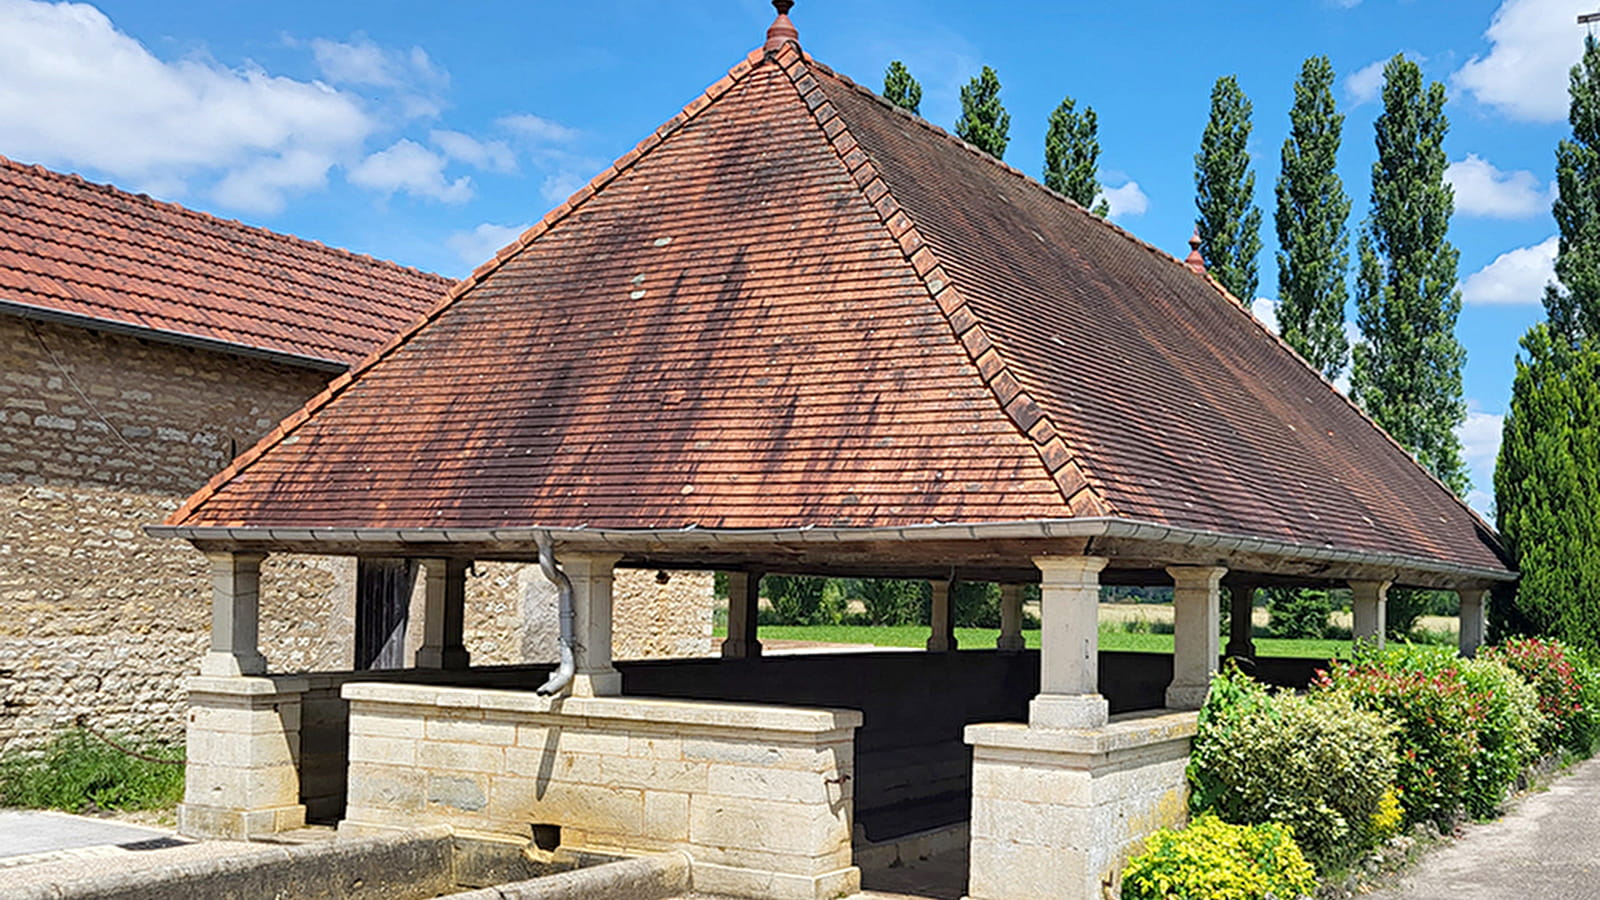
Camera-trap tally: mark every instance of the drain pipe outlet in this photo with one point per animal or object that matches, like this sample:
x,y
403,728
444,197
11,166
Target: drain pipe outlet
x,y
562,676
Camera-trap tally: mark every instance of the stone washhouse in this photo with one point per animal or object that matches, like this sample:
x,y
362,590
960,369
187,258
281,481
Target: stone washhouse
x,y
798,330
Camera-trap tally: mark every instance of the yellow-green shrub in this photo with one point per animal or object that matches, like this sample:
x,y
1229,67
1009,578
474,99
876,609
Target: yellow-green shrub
x,y
1318,764
1212,860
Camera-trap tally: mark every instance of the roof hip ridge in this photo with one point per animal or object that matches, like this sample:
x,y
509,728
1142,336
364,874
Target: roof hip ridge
x,y
337,386
1078,486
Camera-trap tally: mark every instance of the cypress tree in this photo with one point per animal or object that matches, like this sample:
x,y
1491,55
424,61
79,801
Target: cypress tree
x,y
1312,237
1072,156
1547,478
1547,487
1574,304
901,89
1229,221
984,121
1407,367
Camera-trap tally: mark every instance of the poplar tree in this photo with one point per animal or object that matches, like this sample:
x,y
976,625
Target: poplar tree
x,y
1311,215
901,89
1229,222
1407,367
984,121
1072,156
1547,478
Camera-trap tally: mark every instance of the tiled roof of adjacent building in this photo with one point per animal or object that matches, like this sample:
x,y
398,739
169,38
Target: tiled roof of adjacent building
x,y
794,305
93,254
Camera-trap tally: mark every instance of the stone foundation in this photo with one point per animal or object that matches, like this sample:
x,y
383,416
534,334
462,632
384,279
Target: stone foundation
x,y
243,747
1055,813
759,797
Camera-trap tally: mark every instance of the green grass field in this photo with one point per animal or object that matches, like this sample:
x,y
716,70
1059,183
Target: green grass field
x,y
974,638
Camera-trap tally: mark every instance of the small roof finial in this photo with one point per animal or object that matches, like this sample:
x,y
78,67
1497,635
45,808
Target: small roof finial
x,y
782,29
1195,262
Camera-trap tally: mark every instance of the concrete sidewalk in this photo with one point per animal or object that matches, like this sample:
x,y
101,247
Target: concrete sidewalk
x,y
1547,847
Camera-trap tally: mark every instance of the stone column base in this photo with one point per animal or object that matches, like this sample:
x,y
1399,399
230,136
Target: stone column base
x,y
1068,711
243,748
1187,696
1056,812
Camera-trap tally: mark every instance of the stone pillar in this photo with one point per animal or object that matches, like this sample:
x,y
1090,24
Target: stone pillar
x,y
235,614
1241,625
1010,640
243,749
1368,614
1196,619
591,575
943,619
1474,619
1069,644
744,597
443,616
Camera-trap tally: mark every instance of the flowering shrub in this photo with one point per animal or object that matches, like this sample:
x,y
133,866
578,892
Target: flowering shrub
x,y
1212,860
1424,695
1553,671
1466,726
1320,765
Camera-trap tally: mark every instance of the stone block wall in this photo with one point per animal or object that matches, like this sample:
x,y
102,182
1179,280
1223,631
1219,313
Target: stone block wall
x,y
758,796
101,434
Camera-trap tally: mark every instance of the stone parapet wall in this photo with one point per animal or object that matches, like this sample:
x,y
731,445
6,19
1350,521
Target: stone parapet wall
x,y
101,434
1055,813
758,796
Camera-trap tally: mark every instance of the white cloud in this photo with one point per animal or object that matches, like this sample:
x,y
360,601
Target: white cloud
x,y
494,156
1480,446
1515,277
360,61
1483,190
75,92
1126,201
477,246
1266,309
537,128
1363,85
1533,45
410,167
561,185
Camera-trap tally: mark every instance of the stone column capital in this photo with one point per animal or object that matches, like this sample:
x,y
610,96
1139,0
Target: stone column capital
x,y
1202,577
1070,570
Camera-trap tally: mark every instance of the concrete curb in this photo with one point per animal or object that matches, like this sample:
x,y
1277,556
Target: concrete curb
x,y
643,878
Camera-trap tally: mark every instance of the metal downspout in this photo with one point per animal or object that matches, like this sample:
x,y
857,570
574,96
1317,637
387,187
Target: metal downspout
x,y
562,676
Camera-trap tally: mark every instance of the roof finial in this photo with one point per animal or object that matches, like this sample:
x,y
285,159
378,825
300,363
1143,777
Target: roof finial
x,y
1195,261
782,29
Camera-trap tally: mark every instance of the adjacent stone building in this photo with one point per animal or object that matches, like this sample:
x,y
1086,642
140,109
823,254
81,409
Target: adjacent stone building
x,y
143,345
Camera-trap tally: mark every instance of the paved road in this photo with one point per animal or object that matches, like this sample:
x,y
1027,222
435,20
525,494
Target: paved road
x,y
27,832
1547,848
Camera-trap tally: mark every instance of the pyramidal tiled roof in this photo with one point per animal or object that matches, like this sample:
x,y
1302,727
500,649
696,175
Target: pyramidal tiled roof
x,y
92,254
794,305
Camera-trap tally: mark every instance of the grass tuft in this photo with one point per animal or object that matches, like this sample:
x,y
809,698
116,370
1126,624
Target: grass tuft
x,y
80,774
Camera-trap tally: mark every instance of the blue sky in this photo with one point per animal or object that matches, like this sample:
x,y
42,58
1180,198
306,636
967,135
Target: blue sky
x,y
430,133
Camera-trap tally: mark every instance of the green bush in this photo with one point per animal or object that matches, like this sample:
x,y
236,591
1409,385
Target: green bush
x,y
1317,764
891,601
802,600
1298,612
1507,719
1554,671
1460,739
975,604
1212,860
78,773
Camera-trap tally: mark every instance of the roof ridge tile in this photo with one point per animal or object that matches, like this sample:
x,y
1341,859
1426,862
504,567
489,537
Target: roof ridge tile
x,y
1076,486
336,387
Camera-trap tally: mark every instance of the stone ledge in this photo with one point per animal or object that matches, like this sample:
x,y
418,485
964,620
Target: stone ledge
x,y
1129,731
744,717
247,685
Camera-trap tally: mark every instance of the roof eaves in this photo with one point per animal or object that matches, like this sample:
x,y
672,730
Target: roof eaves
x,y
1065,466
461,288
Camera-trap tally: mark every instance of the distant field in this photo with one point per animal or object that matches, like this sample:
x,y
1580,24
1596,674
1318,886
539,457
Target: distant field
x,y
973,638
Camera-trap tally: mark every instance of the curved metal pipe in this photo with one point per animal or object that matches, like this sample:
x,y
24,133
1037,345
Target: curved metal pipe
x,y
562,676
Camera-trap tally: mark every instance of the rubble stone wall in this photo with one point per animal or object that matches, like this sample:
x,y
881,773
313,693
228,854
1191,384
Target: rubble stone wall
x,y
101,434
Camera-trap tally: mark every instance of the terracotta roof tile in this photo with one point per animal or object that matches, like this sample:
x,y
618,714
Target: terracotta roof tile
x,y
801,306
91,251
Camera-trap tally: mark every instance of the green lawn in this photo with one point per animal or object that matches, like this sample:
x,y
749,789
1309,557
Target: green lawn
x,y
974,638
